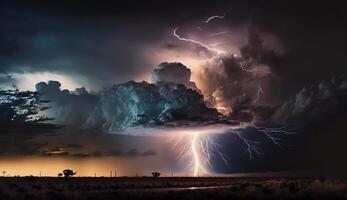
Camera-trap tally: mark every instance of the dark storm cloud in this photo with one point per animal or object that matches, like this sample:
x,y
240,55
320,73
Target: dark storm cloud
x,y
256,51
20,122
241,85
70,108
171,72
26,149
131,153
6,81
19,112
55,152
319,111
44,149
103,50
143,104
319,104
116,153
317,115
75,145
314,35
174,73
104,41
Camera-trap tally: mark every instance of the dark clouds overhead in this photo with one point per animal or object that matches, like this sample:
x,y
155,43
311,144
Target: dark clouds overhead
x,y
107,42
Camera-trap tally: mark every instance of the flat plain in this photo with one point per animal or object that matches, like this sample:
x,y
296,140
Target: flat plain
x,y
172,188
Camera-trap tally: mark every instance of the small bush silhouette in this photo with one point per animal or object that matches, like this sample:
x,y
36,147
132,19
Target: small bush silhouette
x,y
155,174
68,173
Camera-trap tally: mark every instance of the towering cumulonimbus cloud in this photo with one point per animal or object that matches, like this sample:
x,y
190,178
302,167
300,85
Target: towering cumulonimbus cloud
x,y
141,103
173,73
129,104
231,85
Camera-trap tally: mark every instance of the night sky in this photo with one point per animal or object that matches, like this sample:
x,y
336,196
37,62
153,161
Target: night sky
x,y
72,90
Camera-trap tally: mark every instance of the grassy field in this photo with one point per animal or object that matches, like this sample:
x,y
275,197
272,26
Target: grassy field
x,y
172,188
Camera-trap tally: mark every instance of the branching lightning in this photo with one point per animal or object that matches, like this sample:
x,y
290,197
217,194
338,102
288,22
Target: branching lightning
x,y
201,147
260,89
245,69
218,51
251,145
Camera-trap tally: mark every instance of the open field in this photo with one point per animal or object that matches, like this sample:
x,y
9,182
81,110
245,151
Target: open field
x,y
172,188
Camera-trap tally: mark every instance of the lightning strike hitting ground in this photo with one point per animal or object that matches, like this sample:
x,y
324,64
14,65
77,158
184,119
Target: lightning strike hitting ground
x,y
201,147
198,147
196,157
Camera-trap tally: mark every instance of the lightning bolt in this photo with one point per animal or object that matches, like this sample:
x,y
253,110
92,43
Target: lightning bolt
x,y
251,145
259,91
199,147
196,157
245,69
218,51
253,69
219,33
273,134
214,17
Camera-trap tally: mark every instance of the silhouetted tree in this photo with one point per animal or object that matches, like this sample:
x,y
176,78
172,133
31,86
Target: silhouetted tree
x,y
60,174
155,174
68,173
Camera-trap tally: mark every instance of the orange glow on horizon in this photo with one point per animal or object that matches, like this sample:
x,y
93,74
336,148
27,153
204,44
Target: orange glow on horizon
x,y
51,166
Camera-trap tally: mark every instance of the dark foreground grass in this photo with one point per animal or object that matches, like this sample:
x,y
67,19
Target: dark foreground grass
x,y
172,188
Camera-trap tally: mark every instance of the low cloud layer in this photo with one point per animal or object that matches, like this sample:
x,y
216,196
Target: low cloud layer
x,y
70,108
58,151
19,111
318,104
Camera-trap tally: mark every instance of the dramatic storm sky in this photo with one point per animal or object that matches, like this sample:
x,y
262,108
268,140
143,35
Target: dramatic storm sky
x,y
295,54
